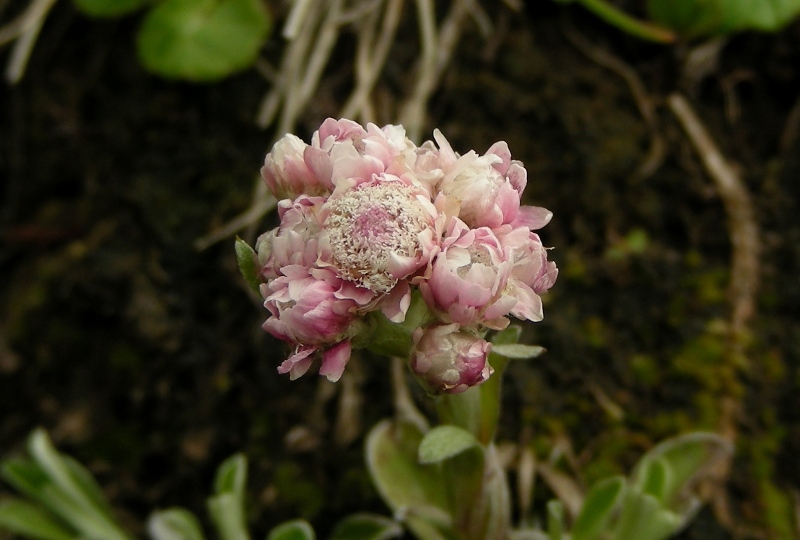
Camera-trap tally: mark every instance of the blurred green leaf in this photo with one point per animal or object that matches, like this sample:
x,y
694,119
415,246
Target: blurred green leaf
x,y
642,517
174,524
66,489
686,457
366,527
227,514
555,520
717,17
231,476
30,521
443,442
656,478
292,530
598,508
108,8
417,490
246,257
202,40
25,476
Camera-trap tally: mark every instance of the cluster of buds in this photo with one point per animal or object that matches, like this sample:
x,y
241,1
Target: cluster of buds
x,y
369,220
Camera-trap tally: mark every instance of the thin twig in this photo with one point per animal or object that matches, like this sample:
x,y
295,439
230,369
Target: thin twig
x,y
370,60
743,286
742,225
262,203
437,52
31,23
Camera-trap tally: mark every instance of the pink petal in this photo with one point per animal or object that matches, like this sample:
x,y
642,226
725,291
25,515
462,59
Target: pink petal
x,y
334,360
299,362
396,304
532,217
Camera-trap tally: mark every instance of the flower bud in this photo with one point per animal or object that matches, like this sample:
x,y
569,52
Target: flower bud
x,y
446,359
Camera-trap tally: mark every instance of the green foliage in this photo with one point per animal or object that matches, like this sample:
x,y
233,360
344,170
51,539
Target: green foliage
x,y
246,257
31,521
195,40
404,483
292,530
226,506
64,500
595,515
444,442
366,527
695,18
656,502
174,524
202,40
715,17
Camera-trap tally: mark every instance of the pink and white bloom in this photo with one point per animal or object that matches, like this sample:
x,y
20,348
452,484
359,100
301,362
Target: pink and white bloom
x,y
446,359
305,310
531,273
304,307
486,190
295,241
366,217
376,233
294,168
468,280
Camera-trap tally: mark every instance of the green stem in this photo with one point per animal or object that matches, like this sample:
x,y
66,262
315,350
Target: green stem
x,y
626,23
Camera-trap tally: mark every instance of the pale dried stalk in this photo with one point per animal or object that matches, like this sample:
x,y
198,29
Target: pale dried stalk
x,y
742,224
743,286
263,202
370,60
299,76
25,29
437,50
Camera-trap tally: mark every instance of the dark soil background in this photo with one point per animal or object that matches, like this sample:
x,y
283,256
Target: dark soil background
x,y
145,359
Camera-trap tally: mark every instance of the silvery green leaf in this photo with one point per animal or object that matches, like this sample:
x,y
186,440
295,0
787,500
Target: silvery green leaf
x,y
174,524
25,519
555,520
246,257
518,350
292,530
601,502
366,527
443,442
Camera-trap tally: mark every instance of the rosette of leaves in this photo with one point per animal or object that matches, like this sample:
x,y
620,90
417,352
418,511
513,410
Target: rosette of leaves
x,y
195,40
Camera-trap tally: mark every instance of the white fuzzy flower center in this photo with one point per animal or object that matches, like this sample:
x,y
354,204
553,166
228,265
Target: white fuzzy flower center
x,y
369,224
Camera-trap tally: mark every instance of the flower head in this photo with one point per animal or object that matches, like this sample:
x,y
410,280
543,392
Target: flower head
x,y
366,219
468,280
378,232
446,359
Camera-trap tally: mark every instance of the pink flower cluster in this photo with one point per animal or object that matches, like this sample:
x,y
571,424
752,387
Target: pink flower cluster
x,y
367,217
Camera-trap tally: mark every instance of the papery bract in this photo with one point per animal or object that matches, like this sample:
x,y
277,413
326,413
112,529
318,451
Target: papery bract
x,y
293,168
295,241
531,272
468,278
304,307
446,359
